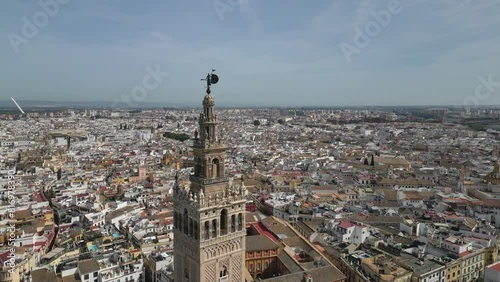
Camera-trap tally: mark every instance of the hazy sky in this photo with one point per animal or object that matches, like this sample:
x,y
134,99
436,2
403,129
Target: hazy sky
x,y
281,52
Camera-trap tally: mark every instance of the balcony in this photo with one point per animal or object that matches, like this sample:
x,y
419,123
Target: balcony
x,y
223,238
206,181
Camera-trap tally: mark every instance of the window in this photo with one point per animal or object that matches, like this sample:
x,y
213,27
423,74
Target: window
x,y
186,222
240,221
196,230
223,272
223,222
86,276
214,228
233,223
207,230
216,168
190,229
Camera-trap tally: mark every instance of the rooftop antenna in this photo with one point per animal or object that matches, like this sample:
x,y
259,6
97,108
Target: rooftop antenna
x,y
211,79
19,107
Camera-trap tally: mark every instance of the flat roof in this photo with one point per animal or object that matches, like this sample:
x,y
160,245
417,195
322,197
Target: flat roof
x,y
53,253
423,267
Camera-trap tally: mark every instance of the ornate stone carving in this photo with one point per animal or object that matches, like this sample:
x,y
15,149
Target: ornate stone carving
x,y
224,262
236,268
210,273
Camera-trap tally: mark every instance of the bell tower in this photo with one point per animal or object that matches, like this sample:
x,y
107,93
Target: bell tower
x,y
209,224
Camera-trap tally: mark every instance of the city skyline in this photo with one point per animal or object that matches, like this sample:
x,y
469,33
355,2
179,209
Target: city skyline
x,y
267,54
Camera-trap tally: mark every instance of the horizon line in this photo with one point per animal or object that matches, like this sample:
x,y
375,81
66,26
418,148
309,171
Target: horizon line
x,y
146,105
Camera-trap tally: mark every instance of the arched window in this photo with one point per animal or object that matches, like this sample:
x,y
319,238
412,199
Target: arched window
x,y
179,221
186,222
223,222
190,229
233,223
215,168
214,228
207,230
196,230
198,167
223,272
240,222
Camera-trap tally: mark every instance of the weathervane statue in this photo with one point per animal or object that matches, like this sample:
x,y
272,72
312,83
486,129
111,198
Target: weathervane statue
x,y
211,79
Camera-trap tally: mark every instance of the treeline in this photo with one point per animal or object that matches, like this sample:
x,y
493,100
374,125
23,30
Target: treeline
x,y
180,137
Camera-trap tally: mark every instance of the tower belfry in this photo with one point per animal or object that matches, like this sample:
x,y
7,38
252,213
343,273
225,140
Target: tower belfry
x,y
209,224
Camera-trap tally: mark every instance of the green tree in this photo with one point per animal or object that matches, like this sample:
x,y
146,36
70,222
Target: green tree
x,y
180,137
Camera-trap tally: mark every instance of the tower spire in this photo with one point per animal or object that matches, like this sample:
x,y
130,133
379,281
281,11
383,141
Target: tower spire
x,y
208,119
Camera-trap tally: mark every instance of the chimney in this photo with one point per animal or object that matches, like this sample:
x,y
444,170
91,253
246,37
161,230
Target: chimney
x,y
307,277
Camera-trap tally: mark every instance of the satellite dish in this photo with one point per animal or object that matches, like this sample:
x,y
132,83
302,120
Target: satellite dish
x,y
214,78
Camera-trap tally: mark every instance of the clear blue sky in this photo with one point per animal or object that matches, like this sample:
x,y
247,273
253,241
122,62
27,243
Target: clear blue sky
x,y
281,52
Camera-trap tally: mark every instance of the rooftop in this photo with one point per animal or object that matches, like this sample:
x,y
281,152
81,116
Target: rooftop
x,y
259,243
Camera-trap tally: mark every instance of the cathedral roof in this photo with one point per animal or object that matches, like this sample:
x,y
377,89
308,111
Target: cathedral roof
x,y
259,243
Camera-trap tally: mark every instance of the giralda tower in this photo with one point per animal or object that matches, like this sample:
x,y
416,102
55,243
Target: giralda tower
x,y
209,217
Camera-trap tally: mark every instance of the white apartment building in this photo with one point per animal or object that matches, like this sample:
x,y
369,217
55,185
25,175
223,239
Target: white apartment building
x,y
348,231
